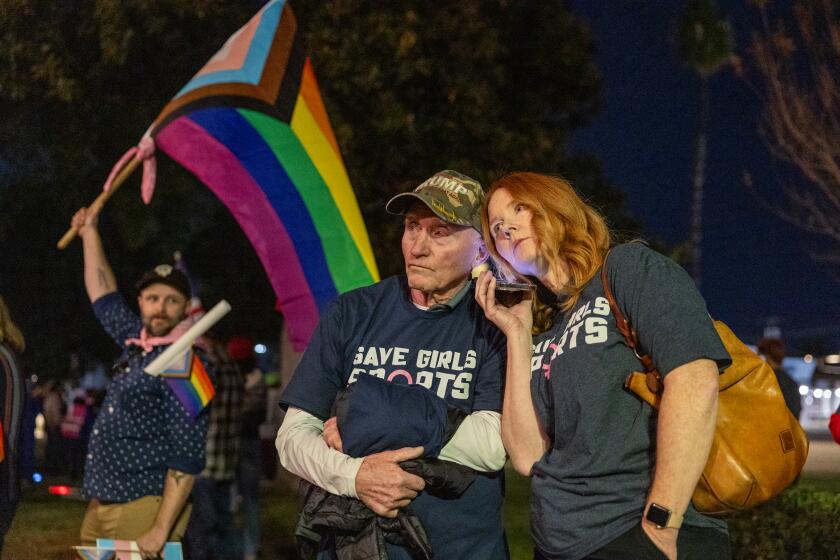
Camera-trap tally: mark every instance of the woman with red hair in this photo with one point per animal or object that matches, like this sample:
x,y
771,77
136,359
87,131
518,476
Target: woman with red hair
x,y
611,478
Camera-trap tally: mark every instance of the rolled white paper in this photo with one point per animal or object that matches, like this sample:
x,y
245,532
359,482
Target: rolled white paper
x,y
177,349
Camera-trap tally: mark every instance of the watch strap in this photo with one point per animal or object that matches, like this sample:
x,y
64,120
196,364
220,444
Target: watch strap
x,y
674,522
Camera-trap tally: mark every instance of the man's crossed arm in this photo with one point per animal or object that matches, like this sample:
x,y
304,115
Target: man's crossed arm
x,y
311,449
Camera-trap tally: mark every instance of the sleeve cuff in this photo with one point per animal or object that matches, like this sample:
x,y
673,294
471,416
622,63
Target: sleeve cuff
x,y
304,452
189,466
477,443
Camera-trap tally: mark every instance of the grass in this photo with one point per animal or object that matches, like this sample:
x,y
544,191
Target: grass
x,y
824,482
517,519
46,526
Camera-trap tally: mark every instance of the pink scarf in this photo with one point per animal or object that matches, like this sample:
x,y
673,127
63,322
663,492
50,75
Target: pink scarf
x,y
147,342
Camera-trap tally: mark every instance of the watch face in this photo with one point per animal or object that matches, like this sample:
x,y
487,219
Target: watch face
x,y
658,515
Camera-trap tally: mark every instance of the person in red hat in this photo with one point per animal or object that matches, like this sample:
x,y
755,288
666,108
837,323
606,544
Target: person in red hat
x,y
249,472
211,532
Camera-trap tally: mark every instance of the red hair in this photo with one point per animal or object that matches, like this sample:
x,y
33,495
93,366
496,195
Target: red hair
x,y
567,229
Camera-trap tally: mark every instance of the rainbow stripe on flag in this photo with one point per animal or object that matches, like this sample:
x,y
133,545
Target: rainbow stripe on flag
x,y
252,126
188,379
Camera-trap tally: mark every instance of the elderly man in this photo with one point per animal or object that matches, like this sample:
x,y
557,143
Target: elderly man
x,y
423,329
146,447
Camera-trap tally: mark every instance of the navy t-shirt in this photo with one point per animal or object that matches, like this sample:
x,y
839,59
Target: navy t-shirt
x,y
454,353
591,484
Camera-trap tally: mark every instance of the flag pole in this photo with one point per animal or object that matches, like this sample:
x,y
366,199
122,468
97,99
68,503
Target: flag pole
x,y
103,197
186,340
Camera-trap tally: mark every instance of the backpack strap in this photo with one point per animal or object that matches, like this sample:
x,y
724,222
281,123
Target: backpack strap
x,y
629,333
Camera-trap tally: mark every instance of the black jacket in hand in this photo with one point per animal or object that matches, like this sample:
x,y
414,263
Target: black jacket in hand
x,y
413,416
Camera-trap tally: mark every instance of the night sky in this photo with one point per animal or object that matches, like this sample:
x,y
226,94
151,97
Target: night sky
x,y
756,267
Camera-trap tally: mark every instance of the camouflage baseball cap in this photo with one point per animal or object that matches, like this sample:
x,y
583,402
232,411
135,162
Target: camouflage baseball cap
x,y
453,197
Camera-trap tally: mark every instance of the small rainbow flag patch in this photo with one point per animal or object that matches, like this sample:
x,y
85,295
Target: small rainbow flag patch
x,y
188,379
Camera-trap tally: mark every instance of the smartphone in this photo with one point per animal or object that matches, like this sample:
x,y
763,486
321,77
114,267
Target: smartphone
x,y
511,293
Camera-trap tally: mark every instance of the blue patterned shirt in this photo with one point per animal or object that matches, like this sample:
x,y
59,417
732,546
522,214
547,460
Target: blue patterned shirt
x,y
141,430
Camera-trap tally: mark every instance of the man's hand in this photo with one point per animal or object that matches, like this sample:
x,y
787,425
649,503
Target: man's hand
x,y
383,486
331,435
151,543
85,220
664,539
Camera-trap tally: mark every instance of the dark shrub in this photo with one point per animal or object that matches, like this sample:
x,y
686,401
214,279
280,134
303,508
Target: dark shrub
x,y
801,524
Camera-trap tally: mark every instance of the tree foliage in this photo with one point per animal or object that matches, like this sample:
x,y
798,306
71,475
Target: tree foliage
x,y
704,43
704,37
411,88
483,87
794,66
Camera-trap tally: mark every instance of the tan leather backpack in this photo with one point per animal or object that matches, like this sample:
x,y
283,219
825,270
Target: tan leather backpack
x,y
759,447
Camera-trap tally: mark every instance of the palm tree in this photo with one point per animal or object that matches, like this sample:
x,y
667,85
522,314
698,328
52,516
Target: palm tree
x,y
704,43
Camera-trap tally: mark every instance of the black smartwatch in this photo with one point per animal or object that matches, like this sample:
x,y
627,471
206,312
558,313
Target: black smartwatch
x,y
663,517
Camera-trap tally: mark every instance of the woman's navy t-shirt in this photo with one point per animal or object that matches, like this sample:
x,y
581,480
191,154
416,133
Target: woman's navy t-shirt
x,y
591,484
